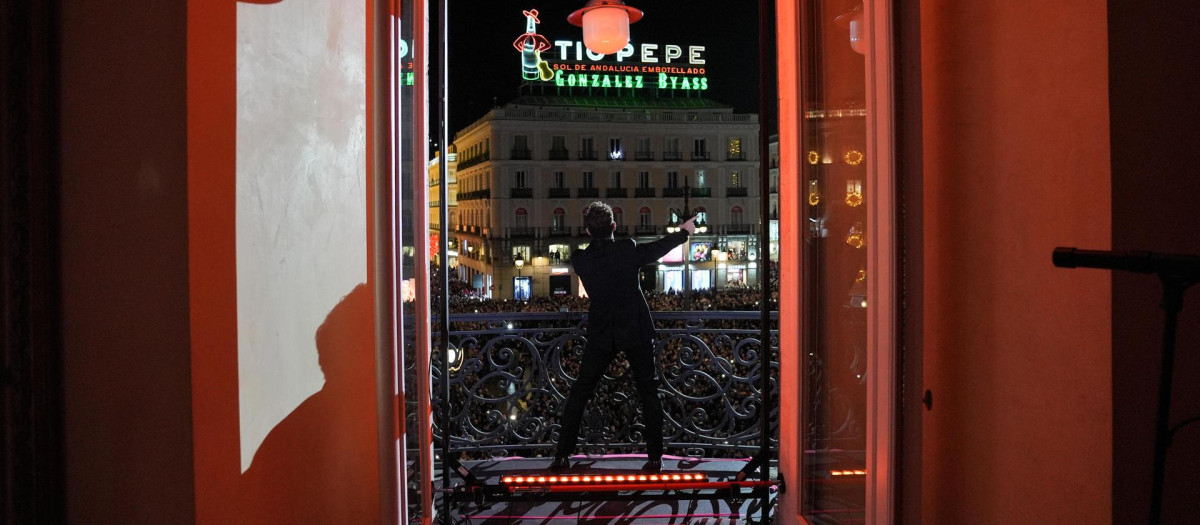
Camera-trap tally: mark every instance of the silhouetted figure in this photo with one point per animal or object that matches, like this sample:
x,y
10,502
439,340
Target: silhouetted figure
x,y
320,464
618,319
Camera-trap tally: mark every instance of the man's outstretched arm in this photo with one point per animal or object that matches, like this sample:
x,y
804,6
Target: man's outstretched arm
x,y
653,251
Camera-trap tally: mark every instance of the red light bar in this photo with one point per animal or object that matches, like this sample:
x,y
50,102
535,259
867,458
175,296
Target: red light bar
x,y
620,479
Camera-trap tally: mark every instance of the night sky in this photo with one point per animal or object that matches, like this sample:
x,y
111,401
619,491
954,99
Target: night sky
x,y
485,67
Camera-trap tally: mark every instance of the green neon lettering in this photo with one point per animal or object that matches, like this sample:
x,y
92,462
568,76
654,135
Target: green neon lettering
x,y
662,81
595,80
409,78
638,82
704,83
607,82
571,80
558,78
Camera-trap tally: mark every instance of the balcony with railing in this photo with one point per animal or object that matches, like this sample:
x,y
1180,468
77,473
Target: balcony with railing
x,y
588,193
588,155
674,192
643,155
519,232
521,193
646,230
739,229
737,192
672,155
512,372
559,193
560,231
622,231
475,195
616,193
645,192
520,154
560,154
700,155
702,192
736,157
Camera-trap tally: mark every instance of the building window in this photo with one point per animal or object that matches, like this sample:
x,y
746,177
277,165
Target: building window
x,y
735,179
520,147
700,178
589,181
672,145
618,216
560,179
643,179
735,215
615,152
644,217
735,149
587,148
559,220
644,151
614,180
521,218
700,149
521,252
672,179
519,179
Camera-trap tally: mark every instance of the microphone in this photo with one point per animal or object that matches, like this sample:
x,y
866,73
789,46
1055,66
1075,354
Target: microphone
x,y
1183,266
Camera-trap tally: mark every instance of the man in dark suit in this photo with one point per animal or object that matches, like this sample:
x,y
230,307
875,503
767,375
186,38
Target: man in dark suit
x,y
618,319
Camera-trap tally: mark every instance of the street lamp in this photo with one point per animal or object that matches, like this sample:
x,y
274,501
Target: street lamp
x,y
605,24
519,261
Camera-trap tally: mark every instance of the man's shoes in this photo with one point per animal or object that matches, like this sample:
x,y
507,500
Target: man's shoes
x,y
560,464
653,465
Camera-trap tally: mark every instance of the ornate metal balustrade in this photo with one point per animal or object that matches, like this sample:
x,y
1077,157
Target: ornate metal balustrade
x,y
511,373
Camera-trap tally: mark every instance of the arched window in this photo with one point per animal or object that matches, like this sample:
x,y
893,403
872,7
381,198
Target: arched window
x,y
559,221
644,217
735,215
618,216
521,218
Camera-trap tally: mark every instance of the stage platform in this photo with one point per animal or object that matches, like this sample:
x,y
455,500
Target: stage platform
x,y
641,507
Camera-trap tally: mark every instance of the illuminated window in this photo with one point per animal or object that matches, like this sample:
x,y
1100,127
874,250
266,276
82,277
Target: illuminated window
x,y
735,149
615,152
735,179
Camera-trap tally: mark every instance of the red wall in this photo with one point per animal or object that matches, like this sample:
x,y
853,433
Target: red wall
x,y
1016,352
127,382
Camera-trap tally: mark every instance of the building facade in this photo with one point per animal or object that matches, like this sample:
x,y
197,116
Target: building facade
x,y
527,170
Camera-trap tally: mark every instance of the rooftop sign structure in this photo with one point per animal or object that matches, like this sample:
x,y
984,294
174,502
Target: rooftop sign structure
x,y
639,66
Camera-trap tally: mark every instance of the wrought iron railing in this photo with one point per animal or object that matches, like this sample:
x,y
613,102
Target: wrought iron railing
x,y
511,373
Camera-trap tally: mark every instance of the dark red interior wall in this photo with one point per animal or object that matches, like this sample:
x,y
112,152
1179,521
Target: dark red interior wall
x,y
1156,206
127,417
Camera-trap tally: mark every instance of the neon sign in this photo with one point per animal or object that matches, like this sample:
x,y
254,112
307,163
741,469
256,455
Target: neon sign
x,y
645,66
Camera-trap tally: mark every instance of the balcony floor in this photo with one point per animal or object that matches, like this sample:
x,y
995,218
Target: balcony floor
x,y
707,509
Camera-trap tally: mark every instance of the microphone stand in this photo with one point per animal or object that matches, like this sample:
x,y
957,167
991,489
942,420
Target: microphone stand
x,y
1177,273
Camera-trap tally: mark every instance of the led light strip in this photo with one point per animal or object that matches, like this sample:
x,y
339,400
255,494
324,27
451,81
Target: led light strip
x,y
622,479
847,473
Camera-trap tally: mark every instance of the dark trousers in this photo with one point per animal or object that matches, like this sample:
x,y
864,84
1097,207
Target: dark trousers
x,y
596,358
